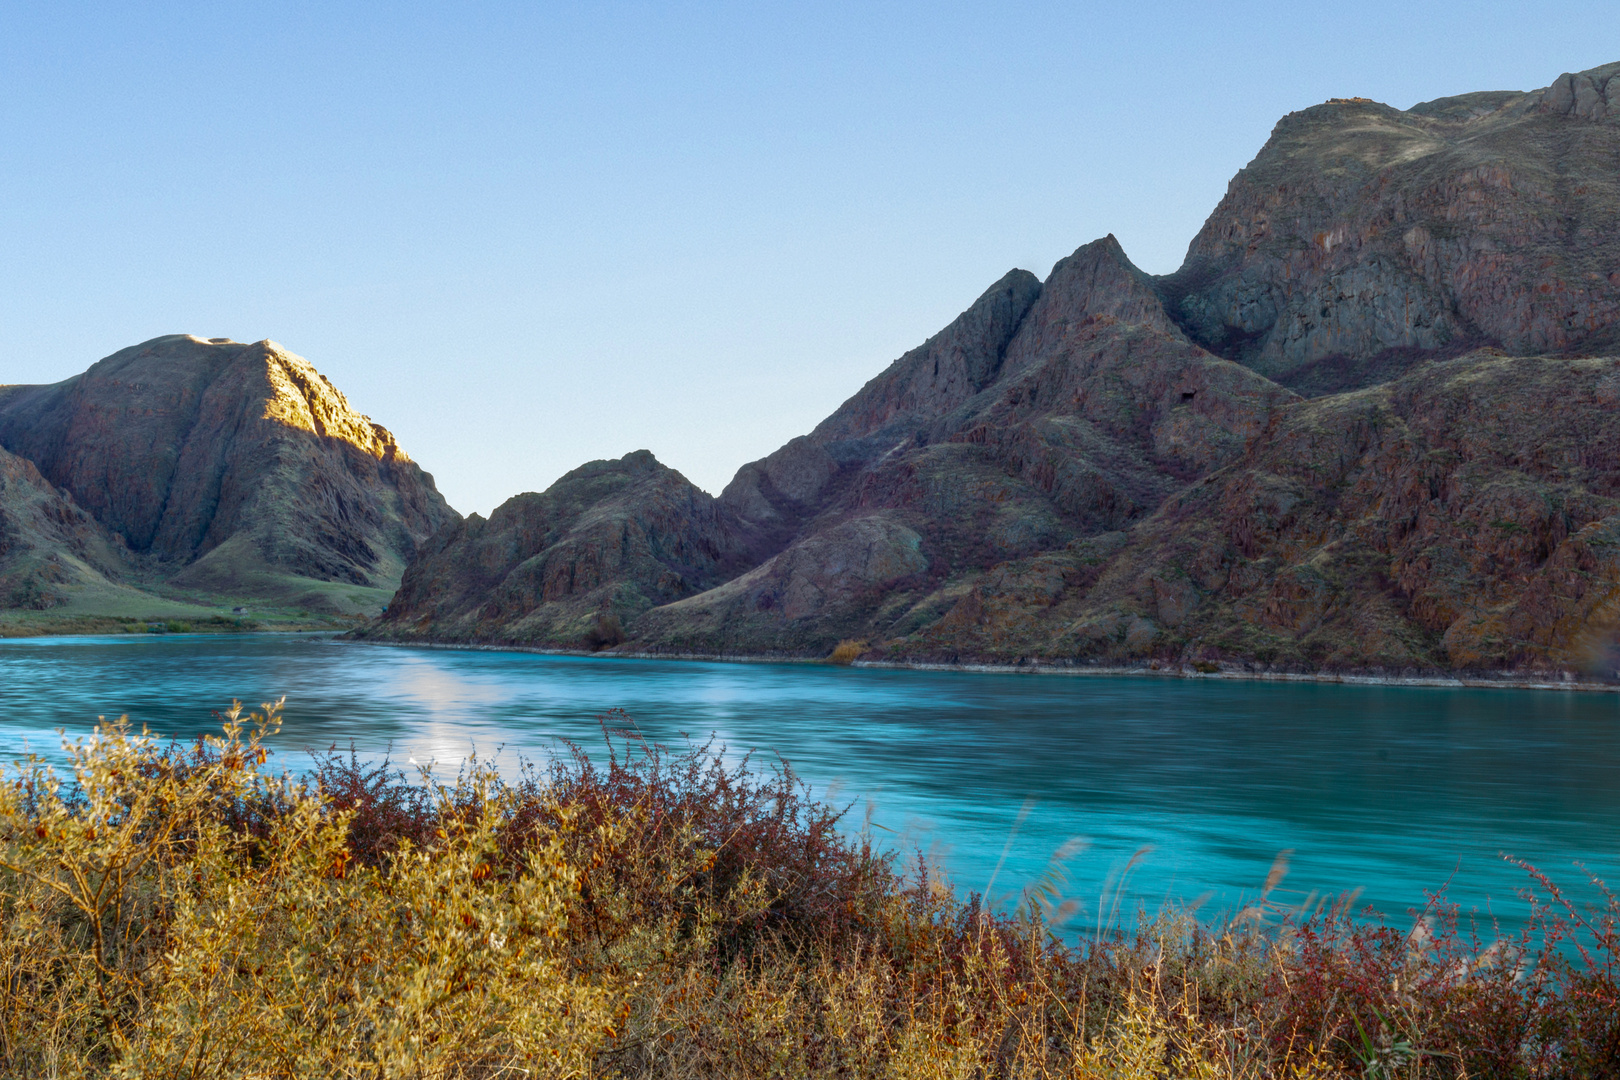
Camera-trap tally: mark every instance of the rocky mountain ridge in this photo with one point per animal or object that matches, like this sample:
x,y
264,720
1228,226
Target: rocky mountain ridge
x,y
1365,426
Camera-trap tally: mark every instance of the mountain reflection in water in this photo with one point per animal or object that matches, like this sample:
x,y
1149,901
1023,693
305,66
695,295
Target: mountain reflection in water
x,y
1391,790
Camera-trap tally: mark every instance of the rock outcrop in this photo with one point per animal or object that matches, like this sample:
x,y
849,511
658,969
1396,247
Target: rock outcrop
x,y
1107,467
1363,238
227,467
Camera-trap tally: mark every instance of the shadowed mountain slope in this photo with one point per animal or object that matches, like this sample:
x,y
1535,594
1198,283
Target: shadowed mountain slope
x,y
1465,516
47,542
568,566
231,468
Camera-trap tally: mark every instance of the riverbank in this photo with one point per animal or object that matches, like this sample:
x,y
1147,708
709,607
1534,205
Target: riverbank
x,y
31,624
1566,681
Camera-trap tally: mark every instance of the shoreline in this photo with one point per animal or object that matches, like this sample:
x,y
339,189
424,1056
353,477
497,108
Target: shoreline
x,y
1436,680
16,624
1568,682
195,631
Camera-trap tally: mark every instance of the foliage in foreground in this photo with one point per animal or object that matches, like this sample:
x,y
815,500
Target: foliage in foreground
x,y
186,912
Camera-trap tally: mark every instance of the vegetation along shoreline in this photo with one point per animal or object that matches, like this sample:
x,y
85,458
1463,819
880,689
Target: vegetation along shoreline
x,y
187,910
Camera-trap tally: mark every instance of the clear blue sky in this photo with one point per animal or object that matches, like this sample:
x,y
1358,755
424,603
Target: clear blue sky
x,y
528,235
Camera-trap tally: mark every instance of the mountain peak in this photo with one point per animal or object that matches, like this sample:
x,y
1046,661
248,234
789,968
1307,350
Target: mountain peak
x,y
1593,94
944,371
1096,284
1362,239
235,467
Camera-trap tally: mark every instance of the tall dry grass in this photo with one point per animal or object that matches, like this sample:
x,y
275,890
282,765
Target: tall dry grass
x,y
177,911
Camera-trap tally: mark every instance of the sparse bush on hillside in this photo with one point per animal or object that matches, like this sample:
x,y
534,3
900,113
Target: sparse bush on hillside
x,y
605,632
183,911
846,652
31,593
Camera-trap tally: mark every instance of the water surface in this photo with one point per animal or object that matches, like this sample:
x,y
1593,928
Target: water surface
x,y
1391,790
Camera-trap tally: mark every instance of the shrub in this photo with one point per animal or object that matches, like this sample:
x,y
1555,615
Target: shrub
x,y
180,910
846,652
145,935
32,593
605,632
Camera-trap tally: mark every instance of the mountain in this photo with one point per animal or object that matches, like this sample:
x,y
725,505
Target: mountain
x,y
1362,237
1367,425
1042,414
221,468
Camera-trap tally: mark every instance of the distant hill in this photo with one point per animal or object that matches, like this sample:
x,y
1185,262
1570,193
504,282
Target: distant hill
x,y
204,471
610,539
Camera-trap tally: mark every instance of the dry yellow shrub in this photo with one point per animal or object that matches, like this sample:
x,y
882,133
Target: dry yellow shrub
x,y
846,652
147,937
168,914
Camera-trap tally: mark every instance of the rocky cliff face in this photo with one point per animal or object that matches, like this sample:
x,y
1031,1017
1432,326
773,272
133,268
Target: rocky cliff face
x,y
1108,467
941,375
1463,516
229,467
1363,237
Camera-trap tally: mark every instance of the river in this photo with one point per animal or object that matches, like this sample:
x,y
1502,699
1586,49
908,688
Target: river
x,y
1394,791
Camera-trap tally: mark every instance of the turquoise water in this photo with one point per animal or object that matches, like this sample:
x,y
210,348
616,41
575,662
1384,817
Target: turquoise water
x,y
1394,791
